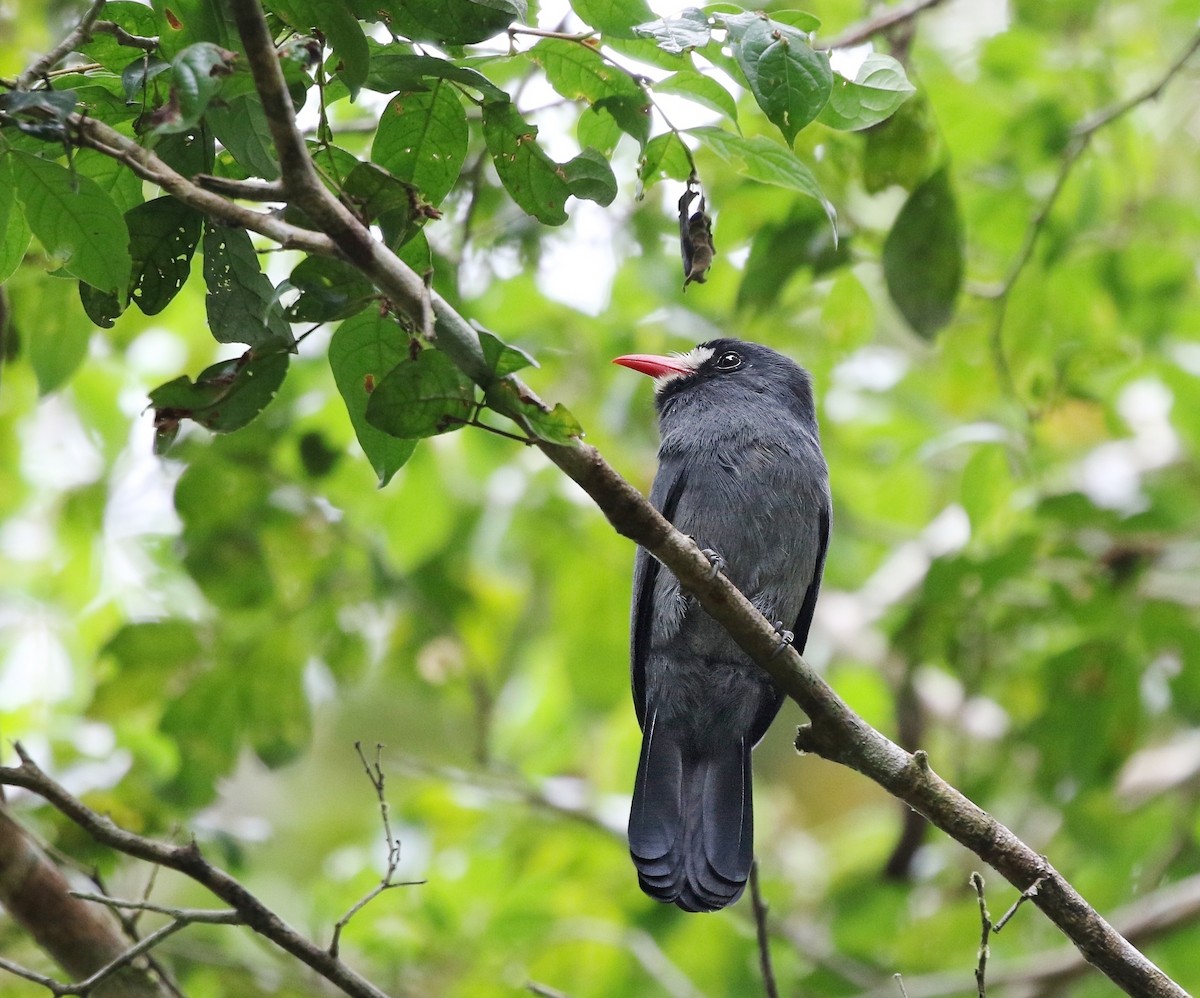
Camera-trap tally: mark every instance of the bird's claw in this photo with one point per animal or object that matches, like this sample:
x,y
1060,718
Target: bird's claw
x,y
786,637
715,561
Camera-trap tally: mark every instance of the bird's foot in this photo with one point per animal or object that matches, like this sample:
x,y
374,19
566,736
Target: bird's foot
x,y
786,637
715,561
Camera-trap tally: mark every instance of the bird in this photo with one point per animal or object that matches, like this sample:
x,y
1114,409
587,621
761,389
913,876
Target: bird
x,y
741,470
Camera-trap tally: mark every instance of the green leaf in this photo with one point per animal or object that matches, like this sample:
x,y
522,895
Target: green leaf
x,y
614,18
579,72
790,81
532,178
378,195
422,397
422,138
598,129
53,329
363,350
904,149
339,25
689,30
148,656
135,18
39,106
241,303
112,176
802,241
555,424
101,307
767,162
197,74
923,255
503,358
329,289
665,158
226,396
400,71
162,238
590,176
75,221
241,126
452,22
14,233
801,20
877,91
188,152
702,90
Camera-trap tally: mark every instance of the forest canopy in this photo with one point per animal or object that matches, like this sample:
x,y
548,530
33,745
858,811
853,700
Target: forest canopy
x,y
299,389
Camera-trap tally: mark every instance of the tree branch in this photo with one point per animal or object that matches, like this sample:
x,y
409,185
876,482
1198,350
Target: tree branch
x,y
79,937
188,860
886,19
81,32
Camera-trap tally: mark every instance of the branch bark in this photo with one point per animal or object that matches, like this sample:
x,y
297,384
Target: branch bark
x,y
81,937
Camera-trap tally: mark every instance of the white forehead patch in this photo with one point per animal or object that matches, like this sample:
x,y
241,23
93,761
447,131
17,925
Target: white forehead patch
x,y
690,360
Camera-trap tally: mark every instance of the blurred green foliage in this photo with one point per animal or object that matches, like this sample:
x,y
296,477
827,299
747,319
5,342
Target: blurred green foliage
x,y
195,642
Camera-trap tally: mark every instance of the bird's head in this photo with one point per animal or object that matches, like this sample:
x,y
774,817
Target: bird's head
x,y
723,373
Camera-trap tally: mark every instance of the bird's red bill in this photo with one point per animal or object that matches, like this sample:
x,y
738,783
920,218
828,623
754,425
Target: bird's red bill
x,y
655,365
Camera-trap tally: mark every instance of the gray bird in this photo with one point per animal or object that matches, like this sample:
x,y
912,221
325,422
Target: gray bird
x,y
741,471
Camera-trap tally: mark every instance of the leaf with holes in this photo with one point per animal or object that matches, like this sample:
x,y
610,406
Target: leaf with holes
x,y
226,396
241,303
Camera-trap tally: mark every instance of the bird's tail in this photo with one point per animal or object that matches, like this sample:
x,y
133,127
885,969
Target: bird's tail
x,y
691,828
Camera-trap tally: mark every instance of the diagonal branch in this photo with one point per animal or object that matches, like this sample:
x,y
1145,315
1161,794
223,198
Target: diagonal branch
x,y
889,17
834,732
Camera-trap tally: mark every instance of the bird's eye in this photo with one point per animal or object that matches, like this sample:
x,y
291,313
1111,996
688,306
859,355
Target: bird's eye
x,y
730,360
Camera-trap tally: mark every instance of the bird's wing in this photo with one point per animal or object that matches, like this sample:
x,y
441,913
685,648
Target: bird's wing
x,y
669,484
804,618
770,708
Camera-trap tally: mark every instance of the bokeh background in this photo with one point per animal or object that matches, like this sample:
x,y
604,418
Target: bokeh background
x,y
194,643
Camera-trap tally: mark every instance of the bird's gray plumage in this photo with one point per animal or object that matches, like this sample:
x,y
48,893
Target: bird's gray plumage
x,y
741,471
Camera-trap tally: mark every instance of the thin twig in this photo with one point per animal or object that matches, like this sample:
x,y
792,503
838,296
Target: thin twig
x,y
200,916
985,920
246,190
856,34
770,988
147,43
375,774
900,984
1024,896
1081,136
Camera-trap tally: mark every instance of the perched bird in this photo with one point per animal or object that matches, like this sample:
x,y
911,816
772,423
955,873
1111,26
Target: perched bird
x,y
741,471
